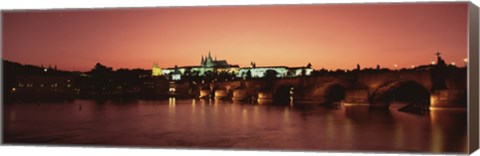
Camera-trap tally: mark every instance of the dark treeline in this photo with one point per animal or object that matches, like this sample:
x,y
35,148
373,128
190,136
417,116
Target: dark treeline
x,y
27,81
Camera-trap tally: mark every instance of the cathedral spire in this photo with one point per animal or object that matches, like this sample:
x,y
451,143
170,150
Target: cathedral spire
x,y
209,55
203,60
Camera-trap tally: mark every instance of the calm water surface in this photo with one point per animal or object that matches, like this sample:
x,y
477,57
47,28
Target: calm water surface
x,y
223,124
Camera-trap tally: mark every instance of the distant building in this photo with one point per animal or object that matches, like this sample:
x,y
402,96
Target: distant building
x,y
281,71
156,71
44,86
212,65
207,64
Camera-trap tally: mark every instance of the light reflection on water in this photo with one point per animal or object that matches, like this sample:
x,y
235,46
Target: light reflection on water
x,y
223,124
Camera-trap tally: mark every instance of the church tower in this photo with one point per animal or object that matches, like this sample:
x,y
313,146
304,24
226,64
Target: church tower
x,y
209,60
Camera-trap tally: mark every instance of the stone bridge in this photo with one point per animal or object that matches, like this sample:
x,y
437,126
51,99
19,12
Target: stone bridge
x,y
378,89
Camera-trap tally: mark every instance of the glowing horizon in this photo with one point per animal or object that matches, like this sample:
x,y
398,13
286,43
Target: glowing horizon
x,y
330,36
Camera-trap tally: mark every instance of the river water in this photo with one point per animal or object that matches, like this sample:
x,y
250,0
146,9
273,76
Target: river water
x,y
224,124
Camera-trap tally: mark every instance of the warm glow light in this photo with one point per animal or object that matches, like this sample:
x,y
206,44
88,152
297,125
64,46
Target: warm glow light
x,y
433,101
465,60
433,62
14,89
413,66
45,70
171,102
453,63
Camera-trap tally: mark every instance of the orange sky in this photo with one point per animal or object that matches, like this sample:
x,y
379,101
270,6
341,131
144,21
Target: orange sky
x,y
328,36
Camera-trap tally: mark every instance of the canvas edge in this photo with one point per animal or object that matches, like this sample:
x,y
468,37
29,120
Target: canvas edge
x,y
107,8
473,71
473,92
1,78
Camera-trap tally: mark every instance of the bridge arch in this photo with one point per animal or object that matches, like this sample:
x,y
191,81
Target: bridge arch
x,y
330,92
334,93
284,93
406,91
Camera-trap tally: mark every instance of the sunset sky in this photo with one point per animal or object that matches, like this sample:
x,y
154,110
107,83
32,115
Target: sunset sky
x,y
327,36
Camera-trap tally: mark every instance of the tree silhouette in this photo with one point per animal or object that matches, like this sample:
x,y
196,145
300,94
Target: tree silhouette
x,y
248,75
101,78
270,74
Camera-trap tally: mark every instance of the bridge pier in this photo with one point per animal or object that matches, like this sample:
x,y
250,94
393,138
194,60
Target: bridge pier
x,y
204,93
356,97
446,99
220,94
265,97
239,94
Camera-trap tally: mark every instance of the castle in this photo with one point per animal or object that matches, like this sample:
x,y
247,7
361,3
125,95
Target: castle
x,y
212,65
208,61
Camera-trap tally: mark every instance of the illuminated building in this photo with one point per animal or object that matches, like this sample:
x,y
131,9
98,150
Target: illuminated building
x,y
156,71
207,65
280,71
212,65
